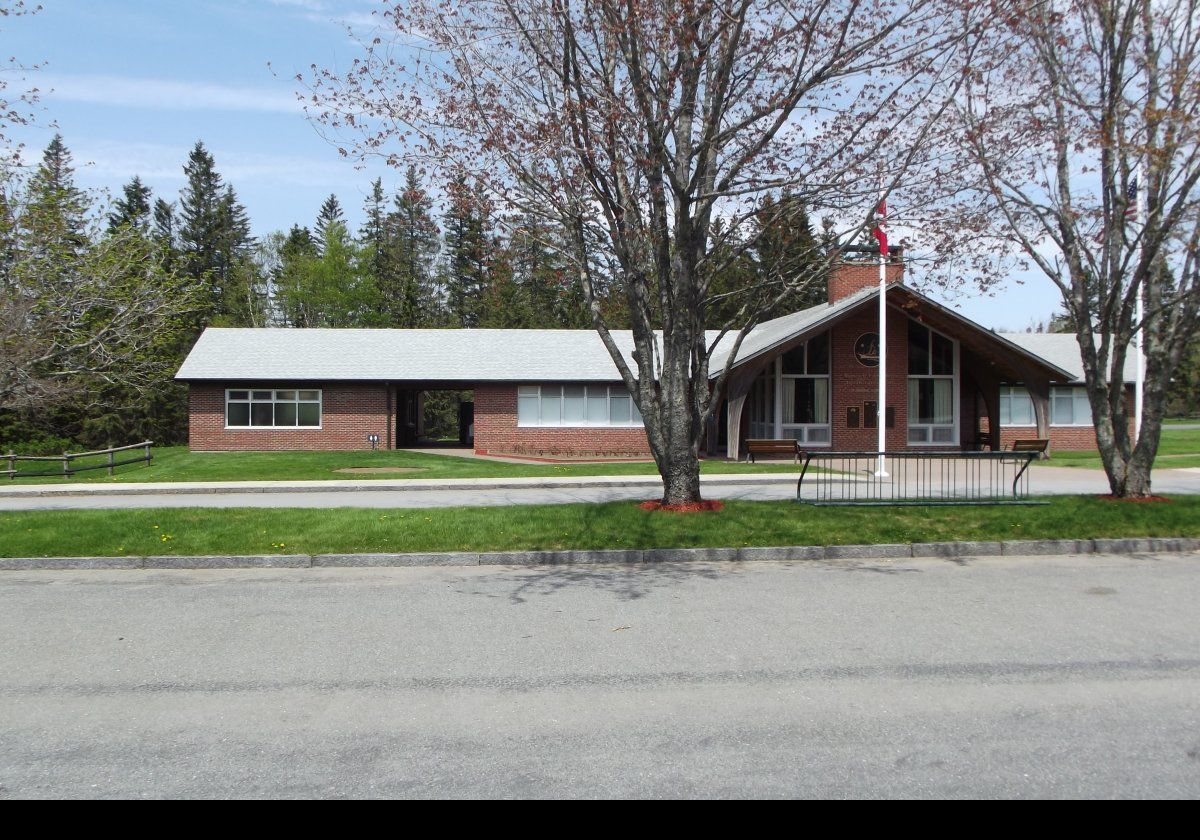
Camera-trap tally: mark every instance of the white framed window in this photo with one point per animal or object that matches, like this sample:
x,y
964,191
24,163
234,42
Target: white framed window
x,y
576,405
1069,406
803,375
1016,407
269,408
932,387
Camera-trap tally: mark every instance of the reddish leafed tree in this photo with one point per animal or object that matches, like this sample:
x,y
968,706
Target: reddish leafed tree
x,y
1076,113
636,124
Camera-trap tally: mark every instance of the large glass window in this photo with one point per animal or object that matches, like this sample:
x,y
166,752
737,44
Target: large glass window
x,y
272,409
1070,407
804,392
1016,408
576,405
932,368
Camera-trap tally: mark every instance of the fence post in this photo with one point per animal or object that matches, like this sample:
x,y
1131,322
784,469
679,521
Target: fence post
x,y
66,465
110,461
147,453
12,465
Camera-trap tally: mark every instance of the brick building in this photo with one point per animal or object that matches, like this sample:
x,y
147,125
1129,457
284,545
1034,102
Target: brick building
x,y
811,375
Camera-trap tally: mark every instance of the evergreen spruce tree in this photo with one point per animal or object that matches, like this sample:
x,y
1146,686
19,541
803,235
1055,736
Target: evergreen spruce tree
x,y
213,234
162,233
406,278
373,234
54,220
467,239
329,215
132,209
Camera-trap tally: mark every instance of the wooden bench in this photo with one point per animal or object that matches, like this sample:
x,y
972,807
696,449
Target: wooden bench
x,y
785,447
1038,445
1029,445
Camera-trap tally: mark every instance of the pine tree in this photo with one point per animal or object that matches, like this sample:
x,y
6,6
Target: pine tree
x,y
132,209
468,245
162,233
406,279
788,255
330,214
213,233
373,234
551,298
54,220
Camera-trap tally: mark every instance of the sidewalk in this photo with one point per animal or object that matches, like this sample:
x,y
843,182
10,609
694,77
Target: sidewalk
x,y
377,485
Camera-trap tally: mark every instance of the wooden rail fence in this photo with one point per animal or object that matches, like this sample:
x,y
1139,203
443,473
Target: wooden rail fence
x,y
67,458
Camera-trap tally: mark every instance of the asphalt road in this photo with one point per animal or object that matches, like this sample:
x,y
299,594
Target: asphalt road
x,y
1044,481
1006,677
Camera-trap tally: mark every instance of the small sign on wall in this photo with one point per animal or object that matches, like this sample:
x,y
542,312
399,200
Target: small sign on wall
x,y
866,349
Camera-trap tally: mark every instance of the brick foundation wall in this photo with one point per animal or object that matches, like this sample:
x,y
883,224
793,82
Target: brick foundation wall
x,y
1061,437
496,431
350,412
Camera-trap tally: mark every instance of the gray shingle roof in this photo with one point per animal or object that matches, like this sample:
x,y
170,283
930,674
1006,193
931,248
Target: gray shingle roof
x,y
466,356
377,355
1062,350
486,355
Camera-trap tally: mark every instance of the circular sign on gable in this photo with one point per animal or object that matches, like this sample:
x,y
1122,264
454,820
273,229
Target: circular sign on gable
x,y
866,349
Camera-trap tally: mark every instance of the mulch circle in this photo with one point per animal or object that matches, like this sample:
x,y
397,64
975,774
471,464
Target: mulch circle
x,y
693,507
1134,499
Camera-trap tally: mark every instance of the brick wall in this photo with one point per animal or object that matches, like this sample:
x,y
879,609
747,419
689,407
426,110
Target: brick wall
x,y
1064,437
350,412
1061,437
846,278
496,430
853,384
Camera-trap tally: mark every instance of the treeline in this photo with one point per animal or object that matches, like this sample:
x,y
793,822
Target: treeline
x,y
102,300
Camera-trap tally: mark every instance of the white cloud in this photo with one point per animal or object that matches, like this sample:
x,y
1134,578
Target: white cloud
x,y
107,162
165,94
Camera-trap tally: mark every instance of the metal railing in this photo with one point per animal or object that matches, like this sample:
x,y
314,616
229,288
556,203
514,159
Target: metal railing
x,y
915,478
68,458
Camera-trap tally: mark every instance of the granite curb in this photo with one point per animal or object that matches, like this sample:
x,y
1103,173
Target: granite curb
x,y
900,551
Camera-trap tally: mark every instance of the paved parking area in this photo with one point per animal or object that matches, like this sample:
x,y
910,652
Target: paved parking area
x,y
1025,677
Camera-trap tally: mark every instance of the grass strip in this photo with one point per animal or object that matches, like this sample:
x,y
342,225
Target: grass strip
x,y
614,525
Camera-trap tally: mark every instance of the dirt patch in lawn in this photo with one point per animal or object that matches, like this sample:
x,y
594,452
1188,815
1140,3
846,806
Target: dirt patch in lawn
x,y
379,470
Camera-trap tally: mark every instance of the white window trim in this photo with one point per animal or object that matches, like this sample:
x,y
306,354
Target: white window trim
x,y
1032,410
320,410
1073,389
585,424
954,397
780,426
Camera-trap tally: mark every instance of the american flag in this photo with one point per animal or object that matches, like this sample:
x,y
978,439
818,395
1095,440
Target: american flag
x,y
1131,199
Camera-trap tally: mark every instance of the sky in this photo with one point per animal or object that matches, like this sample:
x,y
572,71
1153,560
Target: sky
x,y
133,84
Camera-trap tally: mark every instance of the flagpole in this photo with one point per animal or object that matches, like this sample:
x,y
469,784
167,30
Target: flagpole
x,y
1138,393
881,410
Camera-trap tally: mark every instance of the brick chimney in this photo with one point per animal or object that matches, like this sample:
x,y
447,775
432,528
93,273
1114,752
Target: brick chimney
x,y
861,271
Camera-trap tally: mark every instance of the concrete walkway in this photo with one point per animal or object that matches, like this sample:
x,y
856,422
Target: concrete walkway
x,y
425,493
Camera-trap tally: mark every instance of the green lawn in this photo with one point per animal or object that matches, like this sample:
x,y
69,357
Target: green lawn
x,y
1179,448
1176,448
176,463
197,531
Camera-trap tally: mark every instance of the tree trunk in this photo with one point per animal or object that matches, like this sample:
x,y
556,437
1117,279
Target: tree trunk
x,y
681,479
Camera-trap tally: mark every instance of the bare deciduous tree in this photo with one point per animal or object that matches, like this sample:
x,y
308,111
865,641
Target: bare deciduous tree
x,y
639,123
100,319
1075,110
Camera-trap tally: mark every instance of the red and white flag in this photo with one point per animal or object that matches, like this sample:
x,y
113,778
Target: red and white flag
x,y
879,233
